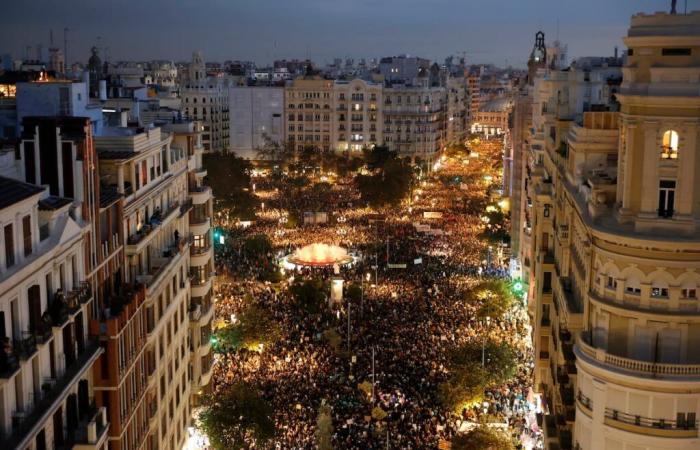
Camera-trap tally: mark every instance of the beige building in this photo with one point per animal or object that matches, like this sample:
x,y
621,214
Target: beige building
x,y
309,112
358,115
348,116
414,121
614,244
205,98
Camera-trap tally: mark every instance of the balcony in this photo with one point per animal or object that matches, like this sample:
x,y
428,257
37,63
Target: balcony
x,y
137,241
26,424
584,404
200,255
200,194
648,426
195,312
92,431
160,264
121,309
647,369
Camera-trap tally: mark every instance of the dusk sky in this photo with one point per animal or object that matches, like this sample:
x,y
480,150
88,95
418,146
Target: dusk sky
x,y
487,30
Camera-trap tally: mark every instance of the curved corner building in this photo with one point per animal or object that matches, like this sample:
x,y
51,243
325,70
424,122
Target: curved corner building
x,y
615,205
639,361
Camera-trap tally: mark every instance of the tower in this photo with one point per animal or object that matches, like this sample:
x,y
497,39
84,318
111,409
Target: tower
x,y
538,56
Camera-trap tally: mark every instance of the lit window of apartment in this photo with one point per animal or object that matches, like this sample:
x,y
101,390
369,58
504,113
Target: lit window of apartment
x,y
669,145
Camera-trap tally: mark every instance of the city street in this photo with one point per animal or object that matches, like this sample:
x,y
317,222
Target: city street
x,y
378,360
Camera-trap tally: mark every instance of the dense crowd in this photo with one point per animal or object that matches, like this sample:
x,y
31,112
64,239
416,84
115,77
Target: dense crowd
x,y
398,336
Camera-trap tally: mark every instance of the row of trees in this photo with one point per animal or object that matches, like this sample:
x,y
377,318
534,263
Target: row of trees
x,y
476,366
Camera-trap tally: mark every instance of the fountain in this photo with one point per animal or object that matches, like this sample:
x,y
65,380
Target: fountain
x,y
320,255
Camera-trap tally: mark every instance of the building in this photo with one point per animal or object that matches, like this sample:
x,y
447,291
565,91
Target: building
x,y
613,245
147,371
492,117
414,120
403,68
308,109
357,116
256,117
205,99
50,222
457,108
57,98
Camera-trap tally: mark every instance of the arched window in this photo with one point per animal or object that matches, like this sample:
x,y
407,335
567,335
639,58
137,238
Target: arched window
x,y
669,145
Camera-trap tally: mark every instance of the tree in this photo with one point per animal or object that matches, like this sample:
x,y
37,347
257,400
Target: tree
x,y
493,296
353,292
274,151
237,418
464,388
482,438
255,327
324,428
388,184
258,245
378,156
468,378
309,295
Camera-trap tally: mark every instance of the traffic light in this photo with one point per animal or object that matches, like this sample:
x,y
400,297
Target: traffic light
x,y
518,287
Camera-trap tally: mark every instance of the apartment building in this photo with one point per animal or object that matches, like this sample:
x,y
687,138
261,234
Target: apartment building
x,y
205,98
414,120
50,226
358,115
613,243
457,108
146,374
308,111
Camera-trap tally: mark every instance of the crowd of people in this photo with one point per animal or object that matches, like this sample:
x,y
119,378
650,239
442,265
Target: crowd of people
x,y
414,270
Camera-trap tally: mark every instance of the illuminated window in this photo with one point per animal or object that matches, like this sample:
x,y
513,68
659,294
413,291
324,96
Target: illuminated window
x,y
669,146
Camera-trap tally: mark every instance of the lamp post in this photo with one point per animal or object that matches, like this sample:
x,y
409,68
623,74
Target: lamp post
x,y
483,343
373,376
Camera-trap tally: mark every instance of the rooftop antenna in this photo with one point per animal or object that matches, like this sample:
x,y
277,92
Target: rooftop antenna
x,y
51,36
557,29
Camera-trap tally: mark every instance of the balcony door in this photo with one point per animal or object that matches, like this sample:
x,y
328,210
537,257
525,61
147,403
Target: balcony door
x,y
643,344
669,346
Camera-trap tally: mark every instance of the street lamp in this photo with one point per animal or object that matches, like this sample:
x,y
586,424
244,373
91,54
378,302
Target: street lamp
x,y
483,343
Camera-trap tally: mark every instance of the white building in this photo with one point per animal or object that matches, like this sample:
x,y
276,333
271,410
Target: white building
x,y
256,114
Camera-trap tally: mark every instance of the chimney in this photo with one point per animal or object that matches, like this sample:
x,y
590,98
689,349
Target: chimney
x,y
616,52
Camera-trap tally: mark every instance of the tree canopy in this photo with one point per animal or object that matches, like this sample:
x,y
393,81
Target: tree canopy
x,y
494,297
237,418
390,180
309,295
255,327
482,438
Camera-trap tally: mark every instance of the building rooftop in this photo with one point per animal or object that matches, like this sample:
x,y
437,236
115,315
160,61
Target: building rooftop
x,y
14,191
495,105
116,155
53,203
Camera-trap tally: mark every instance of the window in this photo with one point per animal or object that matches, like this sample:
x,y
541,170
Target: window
x,y
27,234
611,283
688,293
669,145
9,246
659,292
675,52
667,194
